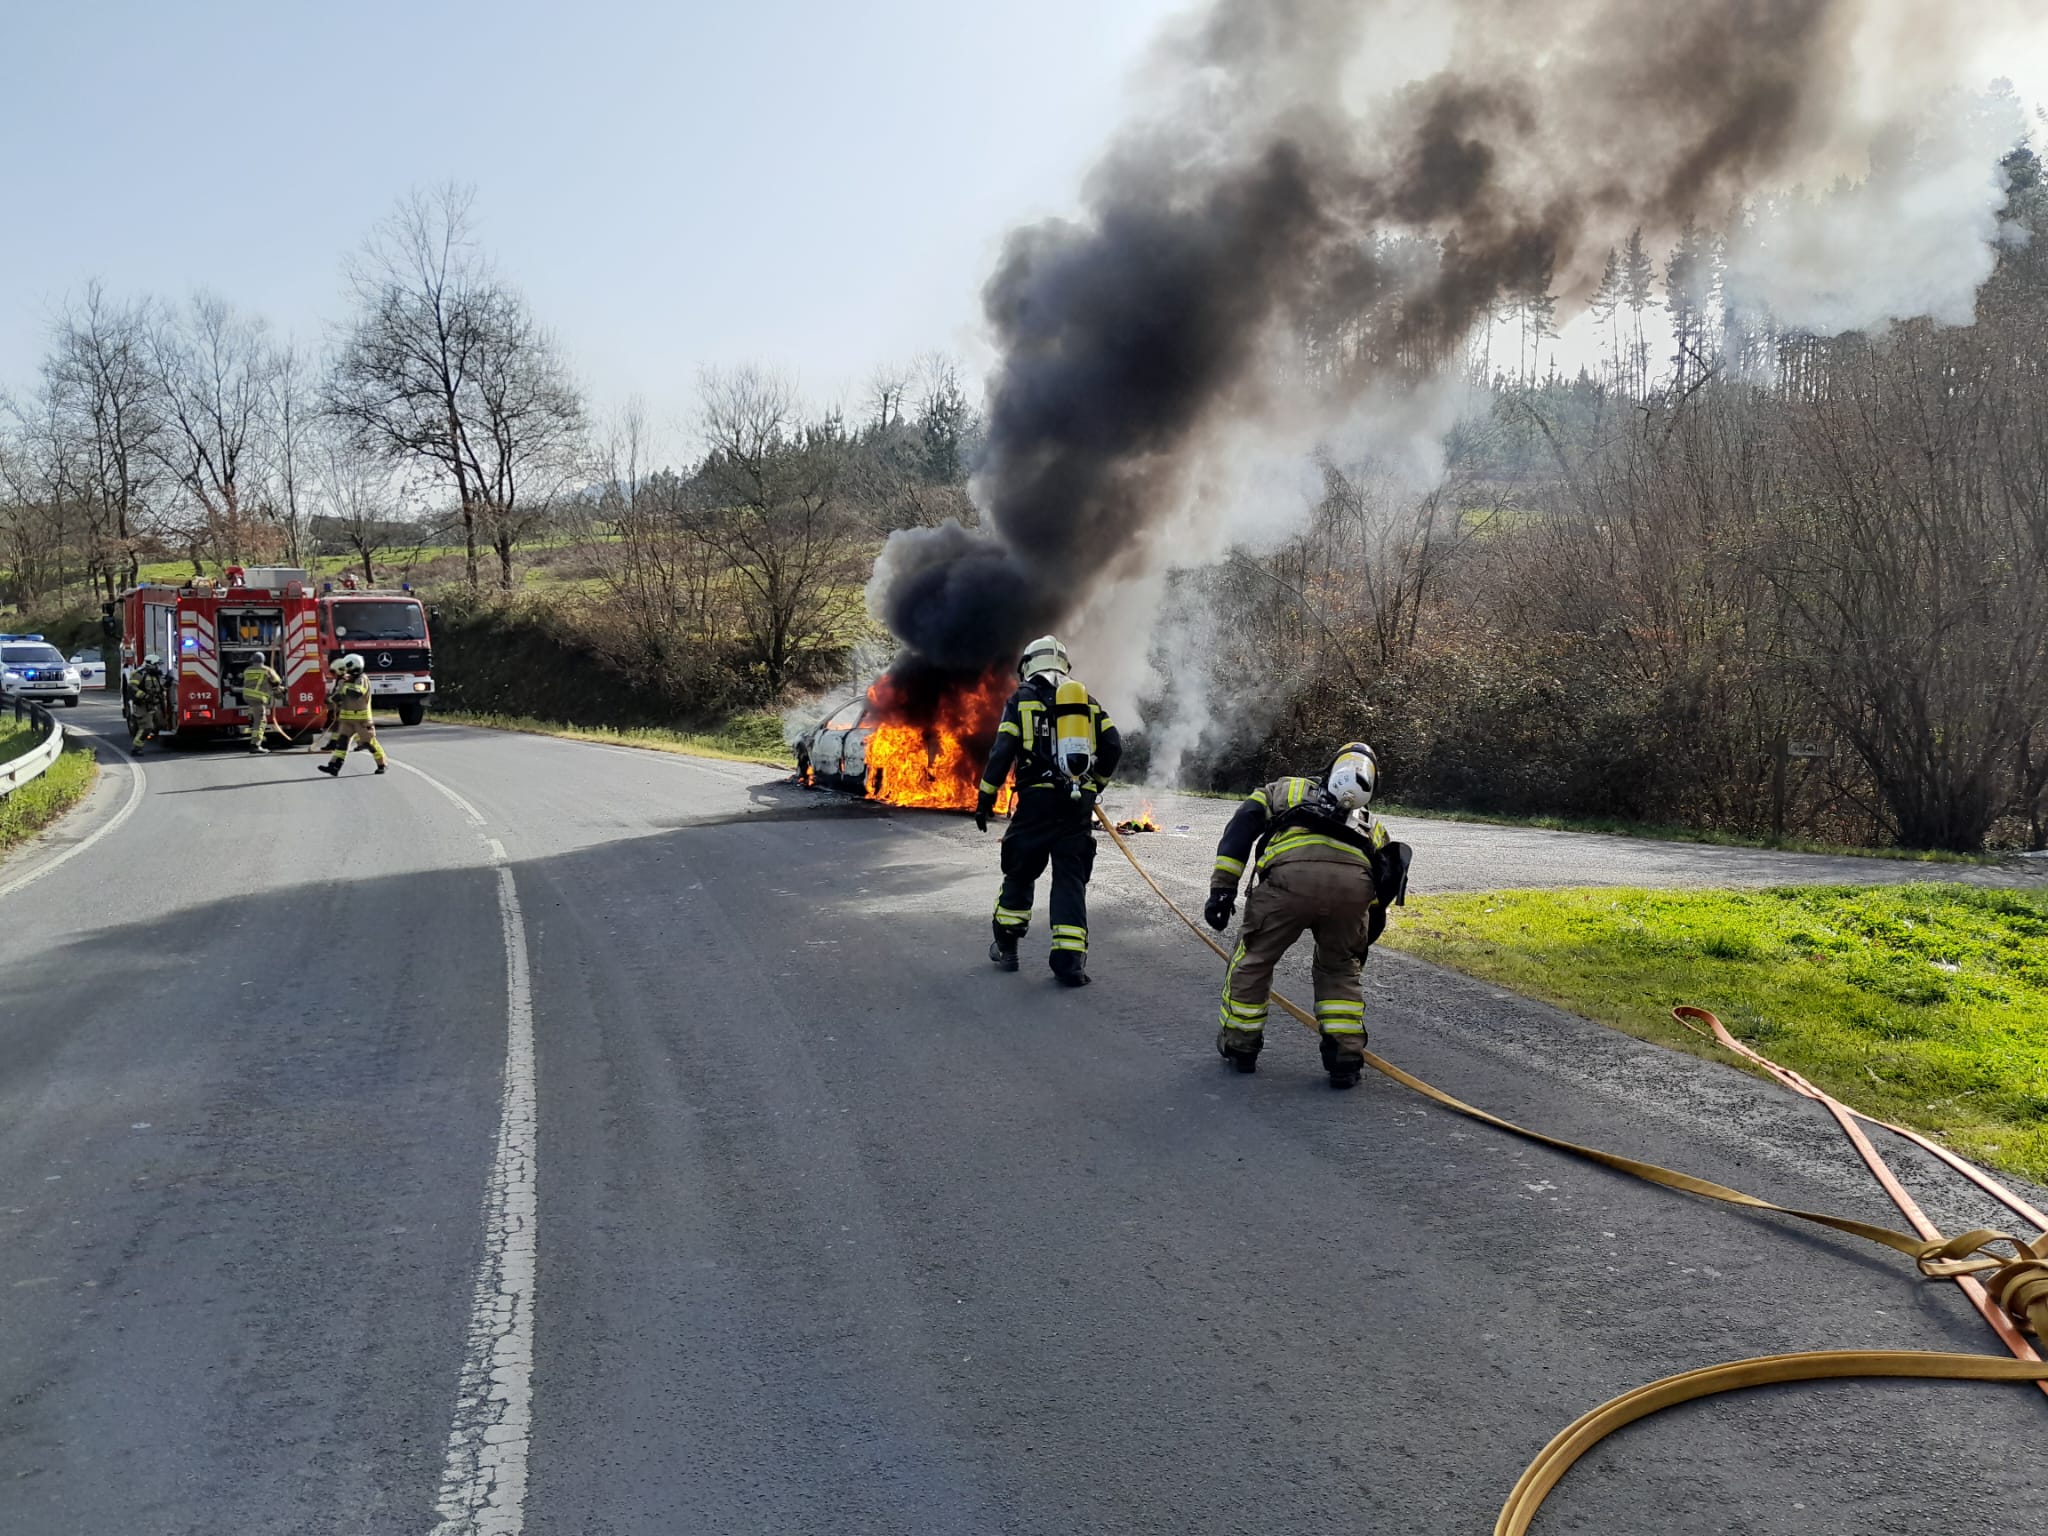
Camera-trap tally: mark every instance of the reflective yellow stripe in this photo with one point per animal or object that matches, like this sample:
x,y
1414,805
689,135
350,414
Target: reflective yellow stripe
x,y
988,788
1296,788
1340,1010
1260,796
1007,728
1229,865
1240,1028
1028,713
1253,1011
1296,840
1334,1028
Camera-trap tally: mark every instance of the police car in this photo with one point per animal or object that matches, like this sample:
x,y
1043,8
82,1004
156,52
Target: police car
x,y
32,669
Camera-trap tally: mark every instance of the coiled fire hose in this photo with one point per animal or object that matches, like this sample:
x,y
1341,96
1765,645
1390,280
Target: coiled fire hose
x,y
2005,1277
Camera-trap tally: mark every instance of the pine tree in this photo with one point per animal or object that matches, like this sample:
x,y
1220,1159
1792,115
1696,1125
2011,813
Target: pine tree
x,y
1638,288
1606,304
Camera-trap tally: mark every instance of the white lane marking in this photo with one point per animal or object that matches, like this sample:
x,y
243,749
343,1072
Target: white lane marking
x,y
136,780
497,849
483,1481
476,817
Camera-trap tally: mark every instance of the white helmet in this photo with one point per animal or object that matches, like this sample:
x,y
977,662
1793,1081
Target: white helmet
x,y
1353,776
152,660
349,663
1043,655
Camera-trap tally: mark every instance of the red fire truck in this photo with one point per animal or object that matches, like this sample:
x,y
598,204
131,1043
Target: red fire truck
x,y
389,631
208,630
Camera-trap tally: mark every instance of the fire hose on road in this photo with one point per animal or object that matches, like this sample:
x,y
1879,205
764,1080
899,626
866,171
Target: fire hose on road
x,y
2006,1278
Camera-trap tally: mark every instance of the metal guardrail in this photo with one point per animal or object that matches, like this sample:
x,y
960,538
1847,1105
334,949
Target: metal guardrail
x,y
17,771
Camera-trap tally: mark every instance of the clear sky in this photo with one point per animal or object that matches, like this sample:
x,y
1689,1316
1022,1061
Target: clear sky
x,y
809,184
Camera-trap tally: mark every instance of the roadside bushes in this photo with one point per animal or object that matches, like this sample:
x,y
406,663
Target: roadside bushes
x,y
585,663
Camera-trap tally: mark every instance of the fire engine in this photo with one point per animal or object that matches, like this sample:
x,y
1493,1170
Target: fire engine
x,y
389,631
209,629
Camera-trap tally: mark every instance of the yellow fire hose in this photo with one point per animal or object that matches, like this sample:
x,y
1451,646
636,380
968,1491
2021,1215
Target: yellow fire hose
x,y
2012,1293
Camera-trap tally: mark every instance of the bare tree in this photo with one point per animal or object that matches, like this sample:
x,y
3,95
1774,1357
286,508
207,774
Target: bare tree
x,y
771,504
292,412
444,365
104,402
214,371
522,428
358,495
407,358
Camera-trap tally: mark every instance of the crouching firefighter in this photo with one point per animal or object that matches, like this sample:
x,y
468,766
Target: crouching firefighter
x,y
1063,749
1321,864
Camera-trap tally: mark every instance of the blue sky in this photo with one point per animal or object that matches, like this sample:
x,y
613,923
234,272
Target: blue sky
x,y
814,186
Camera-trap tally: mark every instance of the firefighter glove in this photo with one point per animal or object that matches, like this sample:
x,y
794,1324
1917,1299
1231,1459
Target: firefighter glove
x,y
1217,913
981,810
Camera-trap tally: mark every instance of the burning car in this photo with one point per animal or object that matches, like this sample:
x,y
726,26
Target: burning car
x,y
910,744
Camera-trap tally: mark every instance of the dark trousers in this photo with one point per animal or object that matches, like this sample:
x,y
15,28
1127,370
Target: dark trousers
x,y
1049,827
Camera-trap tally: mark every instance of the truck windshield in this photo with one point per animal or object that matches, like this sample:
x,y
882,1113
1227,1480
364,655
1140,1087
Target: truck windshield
x,y
379,621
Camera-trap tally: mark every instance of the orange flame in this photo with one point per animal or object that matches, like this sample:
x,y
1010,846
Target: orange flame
x,y
1142,822
935,763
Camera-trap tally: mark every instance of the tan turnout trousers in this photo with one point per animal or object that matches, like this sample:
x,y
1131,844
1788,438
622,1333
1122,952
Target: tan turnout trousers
x,y
1328,895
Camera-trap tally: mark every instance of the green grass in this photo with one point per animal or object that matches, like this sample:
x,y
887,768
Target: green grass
x,y
16,737
47,796
748,738
1922,1004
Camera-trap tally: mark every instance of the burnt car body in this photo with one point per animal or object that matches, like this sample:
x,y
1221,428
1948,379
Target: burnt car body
x,y
833,753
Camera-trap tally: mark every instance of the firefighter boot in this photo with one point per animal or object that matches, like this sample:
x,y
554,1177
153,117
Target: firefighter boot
x,y
1240,1047
1003,950
1070,968
380,767
1343,1058
332,768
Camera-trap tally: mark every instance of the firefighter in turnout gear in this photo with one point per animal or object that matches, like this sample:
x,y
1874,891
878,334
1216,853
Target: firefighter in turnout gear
x,y
146,699
1321,865
1062,748
352,722
262,689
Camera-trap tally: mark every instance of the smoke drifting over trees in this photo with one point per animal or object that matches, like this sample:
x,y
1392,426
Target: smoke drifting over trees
x,y
1294,232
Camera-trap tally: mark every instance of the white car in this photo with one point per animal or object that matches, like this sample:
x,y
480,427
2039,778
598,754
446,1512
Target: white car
x,y
92,672
30,669
833,753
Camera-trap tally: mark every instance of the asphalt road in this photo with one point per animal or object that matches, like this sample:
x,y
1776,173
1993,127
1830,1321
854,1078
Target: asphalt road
x,y
809,1221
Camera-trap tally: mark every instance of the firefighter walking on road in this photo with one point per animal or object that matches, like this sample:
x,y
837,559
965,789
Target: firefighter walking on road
x,y
262,688
146,700
1062,749
1321,865
353,726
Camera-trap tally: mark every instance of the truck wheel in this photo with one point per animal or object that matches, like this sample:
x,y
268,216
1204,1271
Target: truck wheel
x,y
411,711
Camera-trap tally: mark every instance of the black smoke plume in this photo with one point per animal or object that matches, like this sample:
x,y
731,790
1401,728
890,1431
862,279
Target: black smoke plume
x,y
1265,247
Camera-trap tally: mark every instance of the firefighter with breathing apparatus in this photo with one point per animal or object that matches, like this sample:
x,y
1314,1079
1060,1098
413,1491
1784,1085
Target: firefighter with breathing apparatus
x,y
262,688
146,699
1321,865
1063,749
349,697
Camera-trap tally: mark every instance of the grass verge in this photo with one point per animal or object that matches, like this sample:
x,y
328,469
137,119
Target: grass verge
x,y
47,796
1923,1004
747,738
